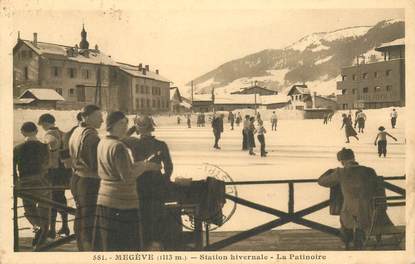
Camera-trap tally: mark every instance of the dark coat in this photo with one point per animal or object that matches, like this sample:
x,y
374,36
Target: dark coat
x,y
217,125
359,185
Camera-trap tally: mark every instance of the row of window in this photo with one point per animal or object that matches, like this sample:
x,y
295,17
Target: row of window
x,y
71,72
147,103
296,97
376,89
71,91
365,75
146,90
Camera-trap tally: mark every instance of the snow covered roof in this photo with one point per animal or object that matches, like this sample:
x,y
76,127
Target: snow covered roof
x,y
187,105
300,88
238,99
202,97
274,99
396,42
43,94
23,100
133,70
61,51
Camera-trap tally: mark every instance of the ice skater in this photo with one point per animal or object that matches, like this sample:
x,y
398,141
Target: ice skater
x,y
361,120
261,137
231,119
245,133
349,130
238,119
274,121
394,116
250,135
189,125
325,118
381,141
217,125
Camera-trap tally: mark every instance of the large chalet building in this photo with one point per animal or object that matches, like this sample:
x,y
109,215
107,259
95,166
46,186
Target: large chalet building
x,y
83,75
375,85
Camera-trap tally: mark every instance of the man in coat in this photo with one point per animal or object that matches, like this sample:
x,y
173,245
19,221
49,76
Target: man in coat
x,y
217,125
359,185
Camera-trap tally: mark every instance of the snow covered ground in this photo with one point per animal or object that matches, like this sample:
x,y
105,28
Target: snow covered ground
x,y
299,149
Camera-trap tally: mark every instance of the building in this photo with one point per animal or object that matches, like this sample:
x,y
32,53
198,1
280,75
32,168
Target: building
x,y
300,97
255,89
200,102
84,75
375,85
142,90
237,101
177,104
38,98
274,101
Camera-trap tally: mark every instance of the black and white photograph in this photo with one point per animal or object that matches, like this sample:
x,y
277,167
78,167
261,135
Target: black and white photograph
x,y
207,132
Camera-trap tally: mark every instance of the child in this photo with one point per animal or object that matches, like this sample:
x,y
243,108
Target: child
x,y
382,143
57,174
30,164
261,137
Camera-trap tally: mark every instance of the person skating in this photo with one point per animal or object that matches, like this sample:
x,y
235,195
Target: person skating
x,y
261,137
85,180
245,133
238,119
58,175
355,117
348,128
381,141
30,167
325,118
361,120
217,125
188,121
231,119
117,216
394,117
274,121
250,135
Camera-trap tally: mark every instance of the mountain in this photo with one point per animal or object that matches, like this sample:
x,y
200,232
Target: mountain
x,y
315,59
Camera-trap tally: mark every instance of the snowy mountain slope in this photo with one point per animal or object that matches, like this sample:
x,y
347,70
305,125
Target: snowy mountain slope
x,y
315,59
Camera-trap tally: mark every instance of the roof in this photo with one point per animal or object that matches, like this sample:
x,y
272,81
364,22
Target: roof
x,y
396,42
202,97
23,100
61,52
274,99
43,94
133,70
187,105
300,88
326,98
244,89
173,92
237,99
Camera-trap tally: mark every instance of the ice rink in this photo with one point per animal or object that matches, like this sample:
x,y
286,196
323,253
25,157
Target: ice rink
x,y
299,149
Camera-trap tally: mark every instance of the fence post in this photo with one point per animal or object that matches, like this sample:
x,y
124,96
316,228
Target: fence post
x,y
290,198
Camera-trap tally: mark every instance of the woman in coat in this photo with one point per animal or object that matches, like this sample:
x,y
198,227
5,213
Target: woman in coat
x,y
250,135
117,221
348,128
159,227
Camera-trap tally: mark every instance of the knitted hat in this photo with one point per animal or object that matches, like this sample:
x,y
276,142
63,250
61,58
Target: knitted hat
x,y
345,154
113,118
144,124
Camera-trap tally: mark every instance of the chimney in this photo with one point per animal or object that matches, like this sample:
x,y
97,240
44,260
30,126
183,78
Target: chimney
x,y
140,67
147,67
157,71
144,71
314,99
18,35
35,39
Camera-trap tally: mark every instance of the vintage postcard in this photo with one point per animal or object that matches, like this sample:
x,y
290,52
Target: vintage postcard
x,y
207,131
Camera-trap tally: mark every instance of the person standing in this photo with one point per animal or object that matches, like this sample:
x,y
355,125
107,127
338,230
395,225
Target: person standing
x,y
261,137
394,116
359,186
231,119
355,117
188,121
361,120
85,181
57,174
117,220
274,120
348,128
178,120
325,118
245,133
30,166
382,143
238,119
159,226
217,125
250,135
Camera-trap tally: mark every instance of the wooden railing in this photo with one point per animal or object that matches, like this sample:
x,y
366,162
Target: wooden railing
x,y
292,216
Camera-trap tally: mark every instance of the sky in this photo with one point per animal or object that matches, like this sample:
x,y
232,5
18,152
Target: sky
x,y
184,43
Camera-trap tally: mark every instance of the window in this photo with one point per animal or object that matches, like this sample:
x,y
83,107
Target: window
x,y
388,72
55,71
365,90
343,91
71,92
376,75
354,77
364,75
142,103
59,90
26,73
388,88
158,103
354,91
72,72
154,103
345,106
137,103
147,90
137,88
148,103
377,89
142,89
344,77
87,74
